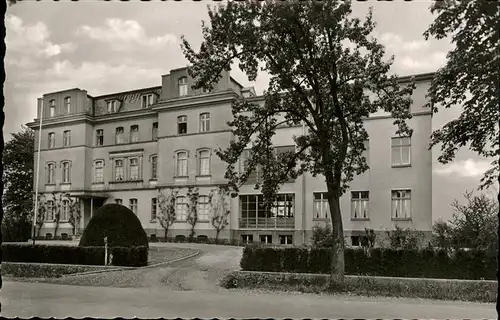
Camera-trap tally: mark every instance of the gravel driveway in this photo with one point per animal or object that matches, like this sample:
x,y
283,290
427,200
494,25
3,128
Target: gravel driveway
x,y
202,272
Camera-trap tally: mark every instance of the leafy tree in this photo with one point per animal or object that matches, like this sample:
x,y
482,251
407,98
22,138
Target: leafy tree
x,y
219,208
441,234
469,80
474,224
403,239
166,205
326,73
192,216
18,182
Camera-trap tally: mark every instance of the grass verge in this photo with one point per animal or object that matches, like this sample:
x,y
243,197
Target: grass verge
x,y
442,289
46,270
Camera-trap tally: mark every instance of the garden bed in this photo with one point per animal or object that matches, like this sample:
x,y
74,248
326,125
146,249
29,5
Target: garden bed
x,y
443,289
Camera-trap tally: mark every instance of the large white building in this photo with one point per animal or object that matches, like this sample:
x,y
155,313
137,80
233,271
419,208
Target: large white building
x,y
123,147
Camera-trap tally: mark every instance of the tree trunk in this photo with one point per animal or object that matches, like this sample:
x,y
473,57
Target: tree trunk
x,y
166,234
338,263
217,235
55,230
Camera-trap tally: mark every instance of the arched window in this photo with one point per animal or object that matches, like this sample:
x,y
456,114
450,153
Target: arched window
x,y
181,169
51,173
120,135
66,172
204,162
134,133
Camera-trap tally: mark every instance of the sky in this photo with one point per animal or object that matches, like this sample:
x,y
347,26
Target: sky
x,y
106,47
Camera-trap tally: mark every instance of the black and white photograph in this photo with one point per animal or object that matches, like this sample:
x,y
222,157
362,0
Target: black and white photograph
x,y
275,159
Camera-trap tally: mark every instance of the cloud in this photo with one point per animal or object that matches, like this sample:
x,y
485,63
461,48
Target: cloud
x,y
121,34
31,40
430,62
469,168
396,44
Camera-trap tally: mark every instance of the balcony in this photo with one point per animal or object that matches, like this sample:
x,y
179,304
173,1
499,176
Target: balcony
x,y
267,223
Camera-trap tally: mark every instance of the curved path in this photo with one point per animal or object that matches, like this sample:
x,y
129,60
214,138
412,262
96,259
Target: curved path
x,y
189,289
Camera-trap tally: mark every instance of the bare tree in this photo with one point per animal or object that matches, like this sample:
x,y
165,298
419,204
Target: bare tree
x,y
56,209
40,215
166,204
192,217
74,212
219,208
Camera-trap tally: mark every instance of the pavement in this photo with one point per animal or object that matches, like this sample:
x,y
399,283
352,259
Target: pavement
x,y
189,289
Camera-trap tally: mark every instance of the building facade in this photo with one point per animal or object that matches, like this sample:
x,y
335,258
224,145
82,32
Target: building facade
x,y
124,147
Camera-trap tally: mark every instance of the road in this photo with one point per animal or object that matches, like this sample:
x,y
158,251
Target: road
x,y
189,289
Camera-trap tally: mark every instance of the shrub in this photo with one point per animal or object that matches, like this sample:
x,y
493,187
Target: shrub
x,y
116,222
411,263
122,256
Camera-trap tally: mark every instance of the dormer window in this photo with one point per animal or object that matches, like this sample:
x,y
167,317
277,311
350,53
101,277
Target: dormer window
x,y
183,87
112,106
67,105
147,100
52,108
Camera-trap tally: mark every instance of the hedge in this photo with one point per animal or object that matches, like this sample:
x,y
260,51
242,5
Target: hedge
x,y
36,270
428,263
122,256
449,289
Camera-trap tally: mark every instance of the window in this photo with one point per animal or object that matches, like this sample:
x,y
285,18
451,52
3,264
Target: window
x,y
401,204
321,206
133,205
99,134
120,135
65,210
359,204
181,208
134,169
204,163
355,241
50,210
183,88
119,201
67,105
286,239
50,173
52,140
154,167
154,132
154,207
205,122
134,133
284,206
66,138
254,176
112,106
119,172
266,238
99,171
52,108
203,208
181,163
147,100
66,172
401,151
247,238
182,124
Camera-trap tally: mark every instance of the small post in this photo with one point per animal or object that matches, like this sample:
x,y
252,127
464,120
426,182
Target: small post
x,y
105,251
